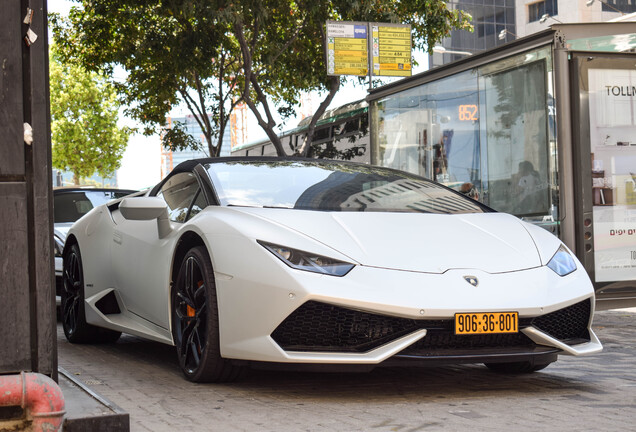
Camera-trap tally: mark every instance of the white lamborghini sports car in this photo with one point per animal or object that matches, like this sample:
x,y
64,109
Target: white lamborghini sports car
x,y
322,264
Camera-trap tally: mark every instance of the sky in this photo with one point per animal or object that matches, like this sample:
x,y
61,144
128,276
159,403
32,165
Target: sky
x,y
141,164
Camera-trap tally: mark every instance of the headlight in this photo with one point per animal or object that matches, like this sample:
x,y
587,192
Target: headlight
x,y
562,262
307,261
58,246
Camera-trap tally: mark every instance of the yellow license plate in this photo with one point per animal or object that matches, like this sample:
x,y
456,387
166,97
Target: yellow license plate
x,y
486,323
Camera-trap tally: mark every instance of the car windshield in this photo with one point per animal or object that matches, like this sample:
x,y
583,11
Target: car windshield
x,y
69,206
332,186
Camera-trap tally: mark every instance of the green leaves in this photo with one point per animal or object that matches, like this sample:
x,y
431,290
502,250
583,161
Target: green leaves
x,y
177,138
171,51
84,114
212,54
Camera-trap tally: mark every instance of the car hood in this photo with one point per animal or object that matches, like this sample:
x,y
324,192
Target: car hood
x,y
432,243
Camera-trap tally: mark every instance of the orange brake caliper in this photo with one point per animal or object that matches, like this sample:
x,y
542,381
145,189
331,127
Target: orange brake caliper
x,y
190,312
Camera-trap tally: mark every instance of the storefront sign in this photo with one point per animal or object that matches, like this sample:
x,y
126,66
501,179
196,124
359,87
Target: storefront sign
x,y
621,90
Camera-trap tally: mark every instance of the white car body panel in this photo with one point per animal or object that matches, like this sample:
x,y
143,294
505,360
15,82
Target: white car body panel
x,y
145,293
422,247
592,347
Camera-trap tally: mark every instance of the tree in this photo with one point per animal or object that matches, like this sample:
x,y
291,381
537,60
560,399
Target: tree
x,y
213,54
174,51
84,113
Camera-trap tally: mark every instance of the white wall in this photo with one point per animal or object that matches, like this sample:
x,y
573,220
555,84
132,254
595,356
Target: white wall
x,y
570,11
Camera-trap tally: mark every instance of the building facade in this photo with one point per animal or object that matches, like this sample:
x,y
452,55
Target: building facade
x,y
532,16
490,18
497,22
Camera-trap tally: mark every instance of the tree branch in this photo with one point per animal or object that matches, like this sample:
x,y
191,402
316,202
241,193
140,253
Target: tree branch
x,y
289,42
247,58
260,95
190,102
250,79
221,99
207,131
334,86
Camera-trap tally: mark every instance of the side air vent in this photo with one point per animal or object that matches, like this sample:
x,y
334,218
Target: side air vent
x,y
108,304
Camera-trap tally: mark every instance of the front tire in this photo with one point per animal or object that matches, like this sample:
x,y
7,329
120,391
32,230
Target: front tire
x,y
195,321
523,367
76,329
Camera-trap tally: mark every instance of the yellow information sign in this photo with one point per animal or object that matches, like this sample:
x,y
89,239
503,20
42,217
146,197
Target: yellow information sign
x,y
350,46
391,49
347,48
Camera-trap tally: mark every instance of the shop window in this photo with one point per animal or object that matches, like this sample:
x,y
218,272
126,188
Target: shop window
x,y
486,130
515,117
610,89
433,131
350,127
622,6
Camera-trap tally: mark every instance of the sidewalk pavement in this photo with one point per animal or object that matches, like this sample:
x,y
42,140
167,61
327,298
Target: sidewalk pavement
x,y
590,393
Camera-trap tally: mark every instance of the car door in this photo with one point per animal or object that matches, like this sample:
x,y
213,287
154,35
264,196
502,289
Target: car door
x,y
142,261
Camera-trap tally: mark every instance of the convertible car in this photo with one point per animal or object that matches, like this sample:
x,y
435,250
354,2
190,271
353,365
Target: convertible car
x,y
269,262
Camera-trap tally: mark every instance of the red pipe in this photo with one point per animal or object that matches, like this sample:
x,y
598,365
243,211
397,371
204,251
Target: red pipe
x,y
39,395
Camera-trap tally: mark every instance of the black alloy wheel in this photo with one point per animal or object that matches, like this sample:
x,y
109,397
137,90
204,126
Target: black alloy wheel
x,y
195,323
76,329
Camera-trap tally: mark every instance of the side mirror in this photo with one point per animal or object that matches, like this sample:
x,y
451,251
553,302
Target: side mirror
x,y
147,209
142,208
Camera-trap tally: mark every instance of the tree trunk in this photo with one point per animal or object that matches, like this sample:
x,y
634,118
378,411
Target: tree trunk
x,y
334,86
251,82
76,179
219,141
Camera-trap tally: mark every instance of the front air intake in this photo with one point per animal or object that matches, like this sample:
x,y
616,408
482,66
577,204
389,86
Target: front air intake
x,y
566,324
319,326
